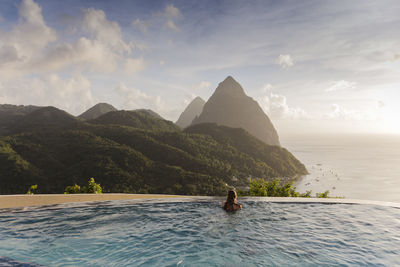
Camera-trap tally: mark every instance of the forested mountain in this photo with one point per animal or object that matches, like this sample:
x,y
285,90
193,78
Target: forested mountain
x,y
230,106
129,151
149,112
140,152
12,114
96,111
39,119
137,119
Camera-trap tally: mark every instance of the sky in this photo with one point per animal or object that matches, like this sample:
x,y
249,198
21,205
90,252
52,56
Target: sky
x,y
313,66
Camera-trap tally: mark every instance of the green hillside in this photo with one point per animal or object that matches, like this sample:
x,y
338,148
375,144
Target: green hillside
x,y
137,119
136,153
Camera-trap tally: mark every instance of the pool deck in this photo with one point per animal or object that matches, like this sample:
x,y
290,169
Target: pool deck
x,y
19,201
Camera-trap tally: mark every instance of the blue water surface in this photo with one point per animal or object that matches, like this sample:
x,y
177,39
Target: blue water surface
x,y
200,233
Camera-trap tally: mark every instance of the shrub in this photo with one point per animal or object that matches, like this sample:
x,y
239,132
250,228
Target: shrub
x,y
323,195
262,188
92,188
32,189
73,189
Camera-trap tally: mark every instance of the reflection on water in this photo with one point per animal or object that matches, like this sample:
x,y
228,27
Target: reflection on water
x,y
353,166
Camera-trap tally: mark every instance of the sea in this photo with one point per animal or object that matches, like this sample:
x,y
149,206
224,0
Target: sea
x,y
349,165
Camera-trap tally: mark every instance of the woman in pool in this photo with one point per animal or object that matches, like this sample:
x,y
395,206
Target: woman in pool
x,y
231,203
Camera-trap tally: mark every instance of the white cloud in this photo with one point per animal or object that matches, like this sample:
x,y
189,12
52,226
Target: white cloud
x,y
101,52
171,13
136,99
103,30
285,61
186,101
84,54
341,113
276,107
133,65
266,88
25,41
30,46
201,86
341,85
73,94
166,17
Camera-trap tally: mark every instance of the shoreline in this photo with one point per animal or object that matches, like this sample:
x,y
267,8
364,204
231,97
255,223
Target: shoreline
x,y
22,201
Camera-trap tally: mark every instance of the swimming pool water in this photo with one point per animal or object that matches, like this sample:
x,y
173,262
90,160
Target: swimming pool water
x,y
200,233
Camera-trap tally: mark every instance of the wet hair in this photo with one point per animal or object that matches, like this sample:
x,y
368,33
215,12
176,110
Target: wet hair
x,y
231,197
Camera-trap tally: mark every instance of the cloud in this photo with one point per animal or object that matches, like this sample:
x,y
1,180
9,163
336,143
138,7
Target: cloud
x,y
285,61
31,47
136,99
103,30
8,54
171,25
143,26
133,65
187,100
167,18
72,94
266,88
341,85
102,51
341,113
25,41
201,86
171,11
276,107
171,14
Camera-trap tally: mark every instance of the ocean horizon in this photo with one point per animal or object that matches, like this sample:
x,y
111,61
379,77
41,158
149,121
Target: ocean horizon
x,y
359,166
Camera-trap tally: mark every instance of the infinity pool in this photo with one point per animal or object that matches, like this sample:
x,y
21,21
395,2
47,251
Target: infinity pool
x,y
200,233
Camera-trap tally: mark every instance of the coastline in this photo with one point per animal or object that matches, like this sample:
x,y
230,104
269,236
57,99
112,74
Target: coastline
x,y
22,201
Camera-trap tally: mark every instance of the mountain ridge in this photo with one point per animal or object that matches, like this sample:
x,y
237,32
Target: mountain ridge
x,y
96,111
194,109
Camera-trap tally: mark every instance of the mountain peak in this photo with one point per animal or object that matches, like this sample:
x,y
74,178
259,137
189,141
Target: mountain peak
x,y
198,99
230,106
230,86
192,111
229,79
96,111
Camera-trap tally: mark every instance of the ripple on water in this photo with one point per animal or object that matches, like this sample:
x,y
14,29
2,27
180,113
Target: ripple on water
x,y
122,233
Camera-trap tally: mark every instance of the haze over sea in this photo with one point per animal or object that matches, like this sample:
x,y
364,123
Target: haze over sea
x,y
353,166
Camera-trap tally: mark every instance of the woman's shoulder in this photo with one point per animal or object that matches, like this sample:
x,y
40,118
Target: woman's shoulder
x,y
238,205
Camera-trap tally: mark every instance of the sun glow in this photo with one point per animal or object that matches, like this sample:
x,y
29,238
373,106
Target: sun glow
x,y
390,122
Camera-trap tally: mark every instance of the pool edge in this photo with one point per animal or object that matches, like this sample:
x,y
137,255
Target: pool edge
x,y
21,201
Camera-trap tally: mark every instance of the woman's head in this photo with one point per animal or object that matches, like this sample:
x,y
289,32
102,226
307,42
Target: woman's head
x,y
231,197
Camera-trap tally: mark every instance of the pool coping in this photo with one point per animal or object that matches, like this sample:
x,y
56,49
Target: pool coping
x,y
21,201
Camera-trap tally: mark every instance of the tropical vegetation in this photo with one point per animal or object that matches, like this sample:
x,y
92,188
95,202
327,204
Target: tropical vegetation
x,y
134,152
